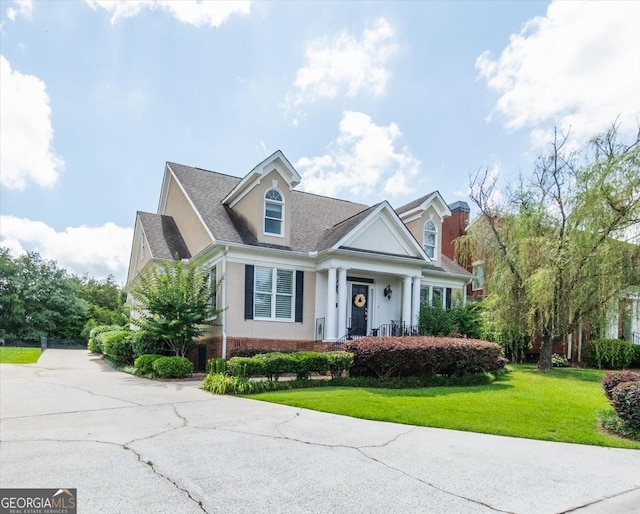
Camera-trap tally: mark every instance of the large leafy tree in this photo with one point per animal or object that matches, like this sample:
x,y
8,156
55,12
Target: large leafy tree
x,y
564,244
105,302
38,299
173,304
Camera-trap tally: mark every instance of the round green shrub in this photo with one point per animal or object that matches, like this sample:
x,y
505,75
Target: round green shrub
x,y
94,344
117,346
144,363
625,399
144,344
172,367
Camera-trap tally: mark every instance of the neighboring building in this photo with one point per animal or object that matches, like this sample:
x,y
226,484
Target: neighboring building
x,y
624,317
298,270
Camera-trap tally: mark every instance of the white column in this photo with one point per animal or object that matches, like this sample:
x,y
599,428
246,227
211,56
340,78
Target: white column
x,y
330,334
415,302
342,302
406,300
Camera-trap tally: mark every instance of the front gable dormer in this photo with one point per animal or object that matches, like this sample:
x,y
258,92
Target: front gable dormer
x,y
423,217
377,230
263,199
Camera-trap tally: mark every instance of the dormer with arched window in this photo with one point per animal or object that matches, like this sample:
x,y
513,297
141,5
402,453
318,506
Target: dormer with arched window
x,y
430,239
273,213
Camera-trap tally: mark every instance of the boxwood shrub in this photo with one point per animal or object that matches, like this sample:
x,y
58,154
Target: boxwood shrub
x,y
172,367
609,353
144,363
274,364
117,346
387,357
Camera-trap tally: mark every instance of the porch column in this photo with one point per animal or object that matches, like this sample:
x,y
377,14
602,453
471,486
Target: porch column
x,y
342,302
406,300
415,302
331,305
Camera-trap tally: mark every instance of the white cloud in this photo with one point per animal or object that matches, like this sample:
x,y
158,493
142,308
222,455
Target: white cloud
x,y
97,251
345,63
26,135
363,160
577,67
212,13
23,8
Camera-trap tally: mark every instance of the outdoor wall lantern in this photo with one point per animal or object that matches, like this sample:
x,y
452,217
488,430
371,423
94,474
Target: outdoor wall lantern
x,y
387,292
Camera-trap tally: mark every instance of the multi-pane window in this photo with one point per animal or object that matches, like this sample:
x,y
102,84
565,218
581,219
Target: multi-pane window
x,y
478,278
274,294
273,212
430,237
432,295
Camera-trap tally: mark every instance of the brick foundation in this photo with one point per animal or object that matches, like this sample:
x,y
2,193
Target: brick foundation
x,y
214,346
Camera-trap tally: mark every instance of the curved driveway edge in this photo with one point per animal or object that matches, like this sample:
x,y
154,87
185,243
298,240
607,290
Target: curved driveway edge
x,y
133,445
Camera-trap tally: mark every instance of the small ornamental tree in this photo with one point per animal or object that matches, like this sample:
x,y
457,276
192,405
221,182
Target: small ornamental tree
x,y
173,304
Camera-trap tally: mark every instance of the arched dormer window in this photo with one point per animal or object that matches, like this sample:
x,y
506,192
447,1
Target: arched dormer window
x,y
273,213
430,238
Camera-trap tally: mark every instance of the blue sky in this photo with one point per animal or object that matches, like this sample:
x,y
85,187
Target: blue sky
x,y
368,100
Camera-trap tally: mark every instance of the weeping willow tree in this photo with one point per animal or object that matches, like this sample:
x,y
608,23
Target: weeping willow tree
x,y
563,245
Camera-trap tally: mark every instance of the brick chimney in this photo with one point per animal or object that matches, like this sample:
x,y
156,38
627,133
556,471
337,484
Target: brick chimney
x,y
454,226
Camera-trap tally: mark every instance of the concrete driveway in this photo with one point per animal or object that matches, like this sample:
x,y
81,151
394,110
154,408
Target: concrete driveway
x,y
132,445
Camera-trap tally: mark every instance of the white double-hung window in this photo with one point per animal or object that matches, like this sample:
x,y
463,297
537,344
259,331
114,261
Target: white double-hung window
x,y
274,294
430,237
273,213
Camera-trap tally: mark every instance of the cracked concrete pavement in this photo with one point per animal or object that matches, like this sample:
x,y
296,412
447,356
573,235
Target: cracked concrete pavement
x,y
132,445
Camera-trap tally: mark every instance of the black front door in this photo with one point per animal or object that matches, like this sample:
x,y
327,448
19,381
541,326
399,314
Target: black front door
x,y
359,309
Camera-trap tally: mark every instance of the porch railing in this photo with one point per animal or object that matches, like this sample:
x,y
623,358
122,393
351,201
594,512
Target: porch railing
x,y
393,329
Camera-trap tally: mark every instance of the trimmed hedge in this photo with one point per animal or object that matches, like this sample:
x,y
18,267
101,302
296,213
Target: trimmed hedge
x,y
117,346
144,363
387,357
172,367
609,354
96,337
274,364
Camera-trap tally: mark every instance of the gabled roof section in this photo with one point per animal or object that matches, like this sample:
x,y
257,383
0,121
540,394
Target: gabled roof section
x,y
415,208
377,229
311,214
276,161
163,236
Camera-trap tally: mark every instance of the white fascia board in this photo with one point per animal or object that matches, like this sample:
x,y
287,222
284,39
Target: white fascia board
x,y
434,199
374,263
164,190
137,229
437,273
393,222
254,177
191,204
240,253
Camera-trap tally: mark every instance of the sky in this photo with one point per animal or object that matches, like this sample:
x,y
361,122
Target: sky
x,y
369,101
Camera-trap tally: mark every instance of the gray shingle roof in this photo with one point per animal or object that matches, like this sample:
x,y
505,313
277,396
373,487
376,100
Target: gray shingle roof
x,y
314,215
451,267
412,205
163,236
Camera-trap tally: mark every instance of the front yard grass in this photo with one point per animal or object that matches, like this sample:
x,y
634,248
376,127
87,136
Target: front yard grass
x,y
561,405
19,355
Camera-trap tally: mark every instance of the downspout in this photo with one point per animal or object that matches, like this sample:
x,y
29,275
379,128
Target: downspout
x,y
223,314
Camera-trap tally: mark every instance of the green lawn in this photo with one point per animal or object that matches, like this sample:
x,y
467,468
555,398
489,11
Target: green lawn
x,y
18,355
556,406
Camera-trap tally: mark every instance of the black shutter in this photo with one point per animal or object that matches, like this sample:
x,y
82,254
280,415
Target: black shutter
x,y
448,298
299,295
248,291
